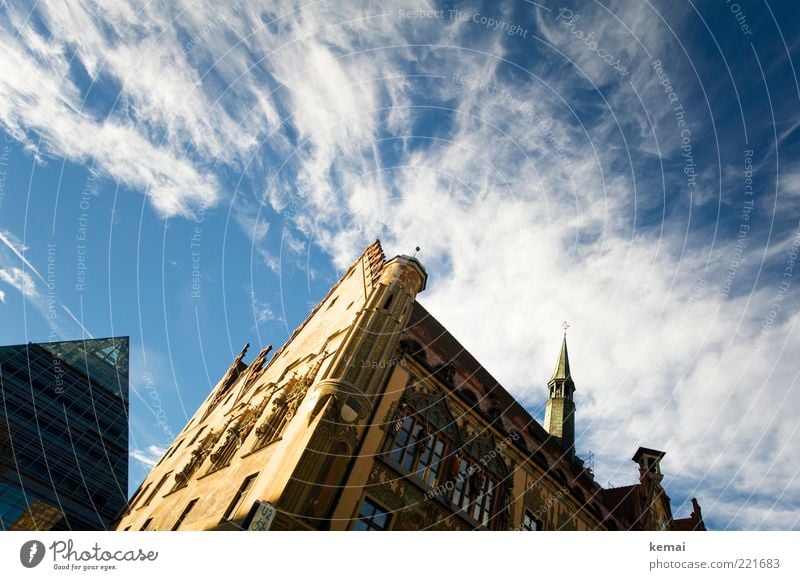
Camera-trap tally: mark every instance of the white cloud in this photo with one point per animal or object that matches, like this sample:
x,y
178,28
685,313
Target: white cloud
x,y
24,282
790,189
152,143
16,246
39,99
269,260
20,280
148,456
264,312
251,219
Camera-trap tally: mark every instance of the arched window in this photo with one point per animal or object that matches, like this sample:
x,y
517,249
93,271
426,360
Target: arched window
x,y
196,459
222,456
475,491
235,436
272,429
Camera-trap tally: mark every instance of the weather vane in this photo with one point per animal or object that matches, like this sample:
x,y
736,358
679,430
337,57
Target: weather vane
x,y
565,326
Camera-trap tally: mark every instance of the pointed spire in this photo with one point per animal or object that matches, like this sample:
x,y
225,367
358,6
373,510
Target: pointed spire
x,y
559,410
562,368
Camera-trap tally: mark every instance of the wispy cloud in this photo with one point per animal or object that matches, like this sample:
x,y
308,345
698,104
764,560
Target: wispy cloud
x,y
20,280
18,249
264,312
148,456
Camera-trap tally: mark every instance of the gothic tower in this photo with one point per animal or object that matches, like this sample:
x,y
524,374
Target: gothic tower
x,y
350,389
559,414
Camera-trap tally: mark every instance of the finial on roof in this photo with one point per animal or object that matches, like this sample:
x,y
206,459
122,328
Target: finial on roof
x,y
565,326
415,252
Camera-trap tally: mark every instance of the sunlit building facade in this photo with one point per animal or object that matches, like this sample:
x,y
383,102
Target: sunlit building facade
x,y
372,416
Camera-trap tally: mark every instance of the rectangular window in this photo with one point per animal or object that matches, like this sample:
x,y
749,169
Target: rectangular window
x,y
173,450
196,435
530,523
417,448
430,460
474,492
146,524
240,496
161,482
141,494
185,513
371,517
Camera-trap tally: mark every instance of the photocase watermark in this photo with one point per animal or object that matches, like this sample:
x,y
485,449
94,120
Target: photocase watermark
x,y
378,364
94,558
418,13
292,209
740,17
51,301
568,18
31,553
489,22
195,241
680,118
82,233
209,24
58,375
156,406
491,455
780,293
5,157
449,485
744,226
542,123
539,513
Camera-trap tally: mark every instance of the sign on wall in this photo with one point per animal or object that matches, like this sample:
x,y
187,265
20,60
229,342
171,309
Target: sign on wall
x,y
262,520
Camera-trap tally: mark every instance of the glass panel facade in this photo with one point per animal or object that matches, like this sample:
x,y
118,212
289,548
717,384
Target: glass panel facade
x,y
64,439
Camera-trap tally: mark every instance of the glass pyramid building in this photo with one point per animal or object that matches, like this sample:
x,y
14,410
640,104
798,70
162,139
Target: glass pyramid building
x,y
63,434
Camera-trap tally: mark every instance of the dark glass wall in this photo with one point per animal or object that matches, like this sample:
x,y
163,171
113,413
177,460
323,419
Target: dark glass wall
x,y
63,434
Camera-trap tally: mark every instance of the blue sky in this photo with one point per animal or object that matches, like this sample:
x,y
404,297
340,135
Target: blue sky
x,y
197,176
